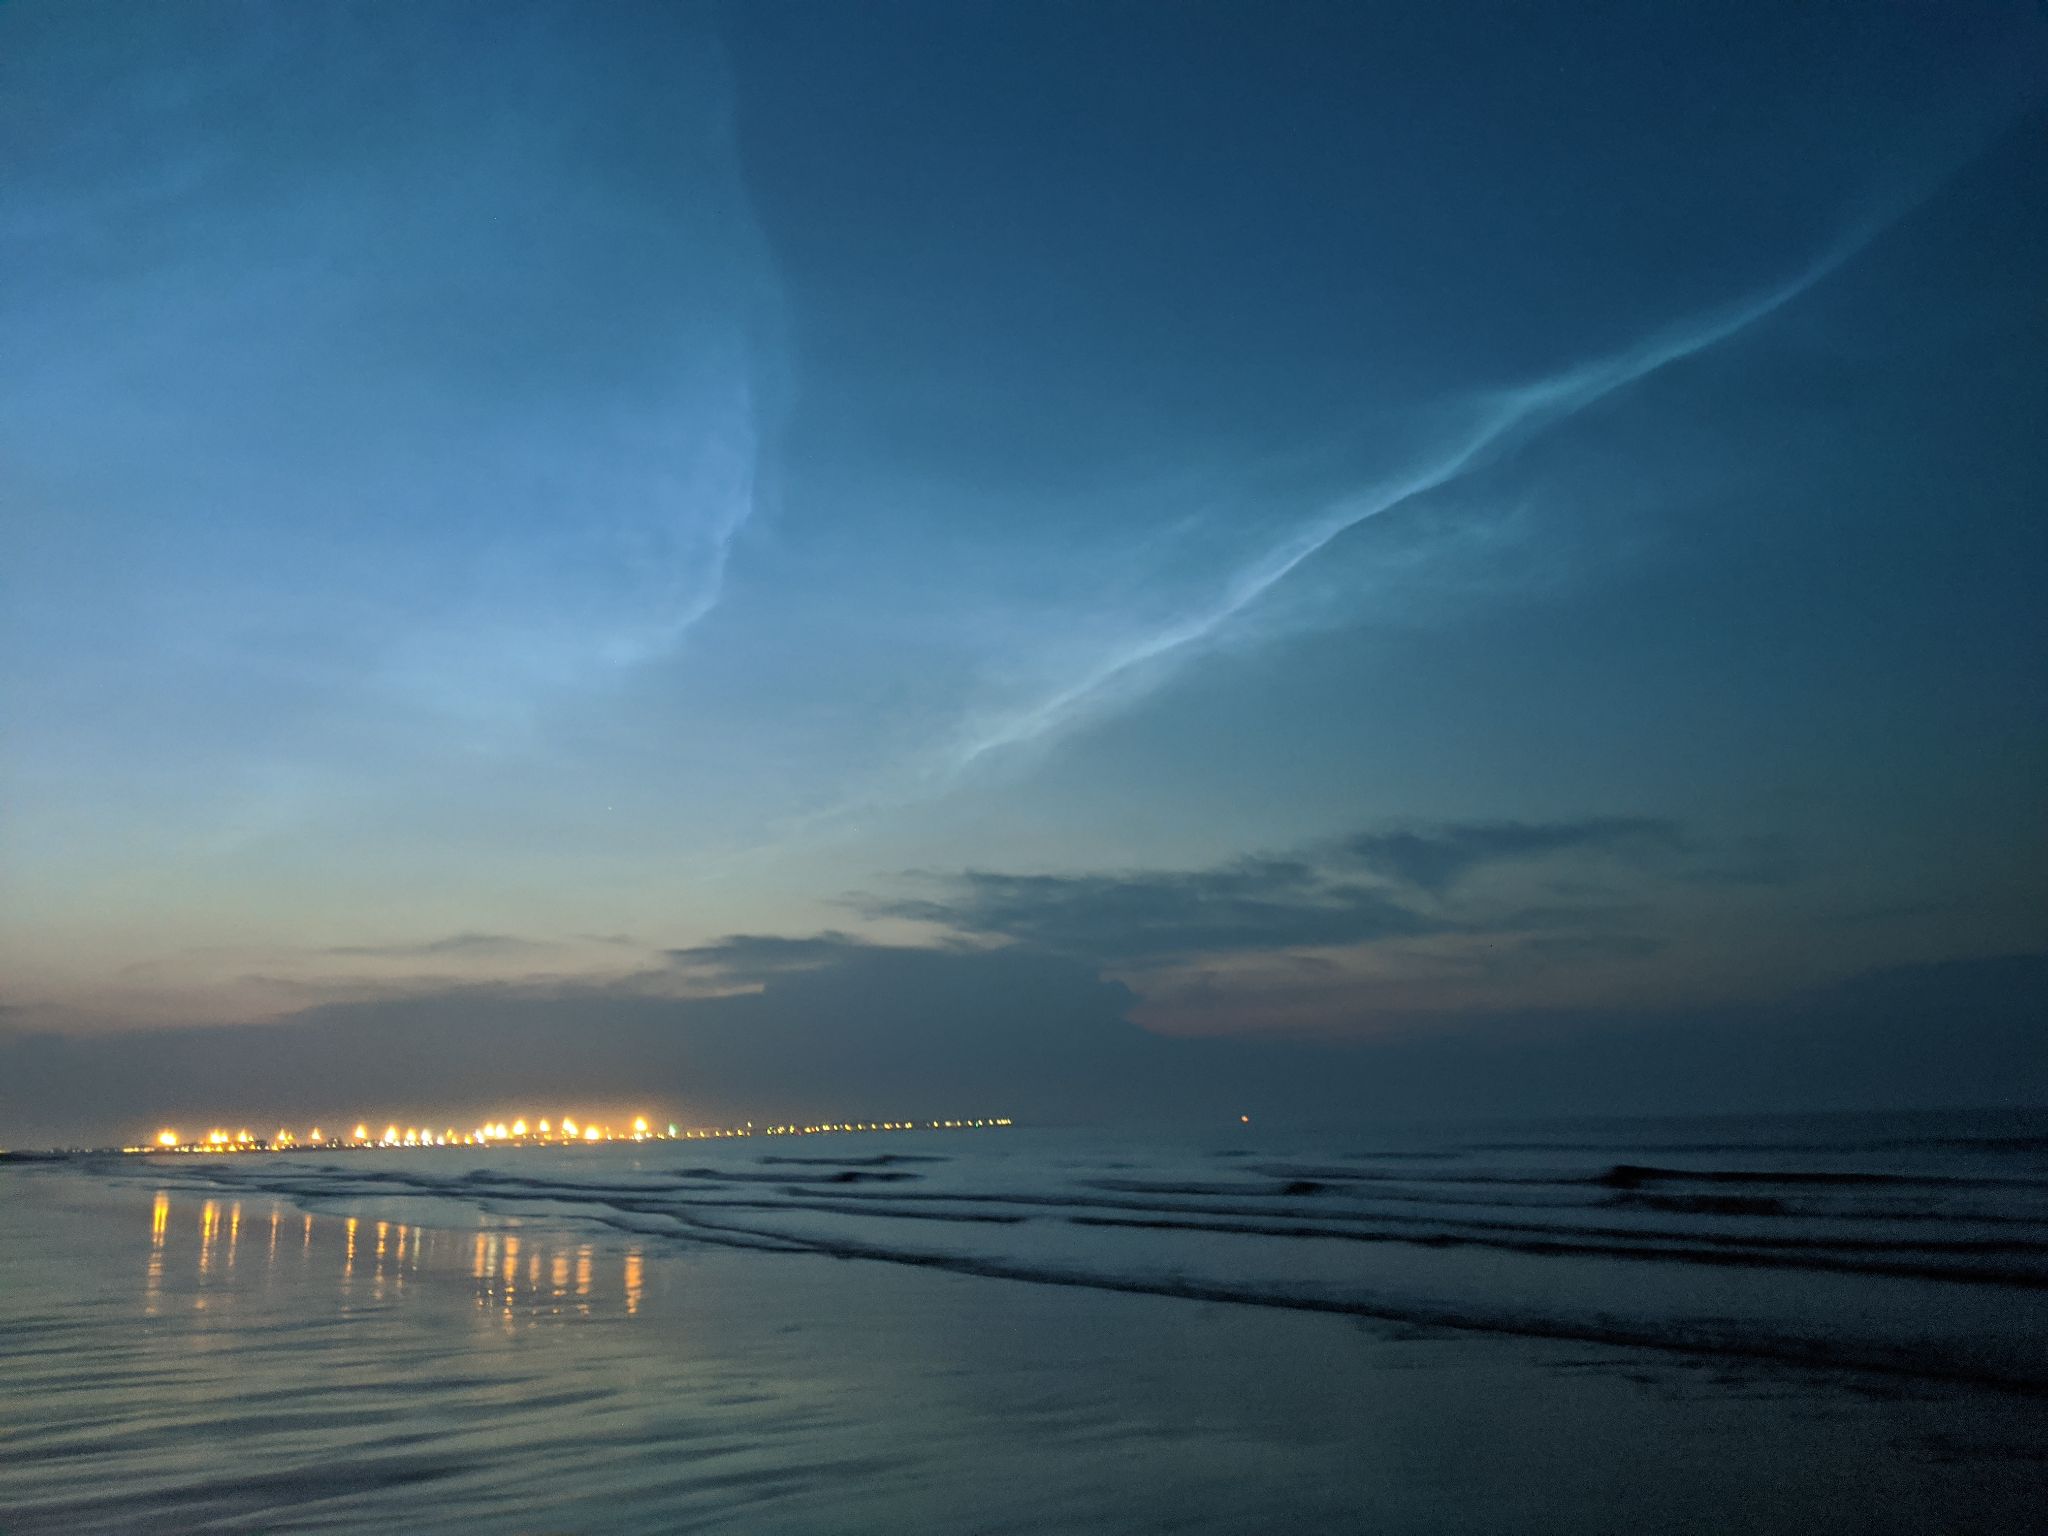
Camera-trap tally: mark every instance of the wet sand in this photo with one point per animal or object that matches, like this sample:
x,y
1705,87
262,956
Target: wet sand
x,y
174,1362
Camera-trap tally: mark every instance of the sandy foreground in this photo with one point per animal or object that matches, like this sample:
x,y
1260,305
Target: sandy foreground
x,y
174,1363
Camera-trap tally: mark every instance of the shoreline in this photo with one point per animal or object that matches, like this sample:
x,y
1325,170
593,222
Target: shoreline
x,y
535,1372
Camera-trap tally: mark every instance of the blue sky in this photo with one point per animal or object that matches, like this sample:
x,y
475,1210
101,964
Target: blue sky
x,y
501,502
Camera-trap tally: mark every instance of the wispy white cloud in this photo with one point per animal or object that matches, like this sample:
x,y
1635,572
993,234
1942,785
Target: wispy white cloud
x,y
1493,424
1498,421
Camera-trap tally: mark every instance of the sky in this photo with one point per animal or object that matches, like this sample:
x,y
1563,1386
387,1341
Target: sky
x,y
1058,559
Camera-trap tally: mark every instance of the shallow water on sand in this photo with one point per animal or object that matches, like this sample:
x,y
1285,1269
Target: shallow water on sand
x,y
185,1349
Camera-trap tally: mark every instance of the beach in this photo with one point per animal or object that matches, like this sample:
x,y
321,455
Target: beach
x,y
536,1343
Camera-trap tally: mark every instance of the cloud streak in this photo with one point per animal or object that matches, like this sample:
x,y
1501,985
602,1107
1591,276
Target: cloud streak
x,y
1500,421
504,347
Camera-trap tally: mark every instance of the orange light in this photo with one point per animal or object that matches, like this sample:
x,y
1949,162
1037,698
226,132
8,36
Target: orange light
x,y
315,1135
544,1128
362,1133
167,1138
518,1127
591,1133
568,1126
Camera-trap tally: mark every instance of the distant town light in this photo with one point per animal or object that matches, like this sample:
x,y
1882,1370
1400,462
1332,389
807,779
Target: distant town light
x,y
566,1128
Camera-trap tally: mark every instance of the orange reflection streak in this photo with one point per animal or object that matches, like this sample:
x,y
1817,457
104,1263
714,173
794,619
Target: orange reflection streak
x,y
533,1270
633,1282
275,1218
159,1228
583,1270
348,1258
209,1224
560,1277
234,1230
477,1267
308,1243
511,1264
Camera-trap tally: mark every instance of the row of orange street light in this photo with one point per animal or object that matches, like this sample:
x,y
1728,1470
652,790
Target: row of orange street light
x,y
549,1132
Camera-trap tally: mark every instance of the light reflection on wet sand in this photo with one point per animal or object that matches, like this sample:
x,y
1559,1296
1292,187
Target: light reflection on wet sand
x,y
153,1276
537,1379
523,1275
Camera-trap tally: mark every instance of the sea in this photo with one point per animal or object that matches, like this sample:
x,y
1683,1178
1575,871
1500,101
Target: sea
x,y
1811,1324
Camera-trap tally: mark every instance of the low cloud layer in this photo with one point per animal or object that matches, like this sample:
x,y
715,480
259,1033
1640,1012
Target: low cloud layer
x,y
1571,882
1438,858
837,1027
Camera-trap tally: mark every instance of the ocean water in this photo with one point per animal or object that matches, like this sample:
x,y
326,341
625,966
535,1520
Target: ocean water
x,y
1816,1324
